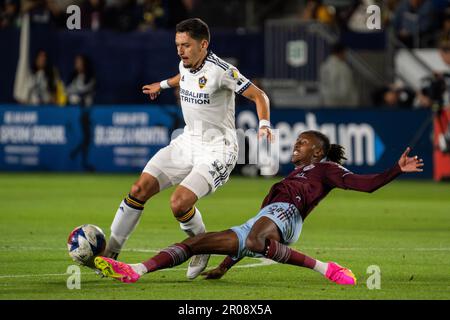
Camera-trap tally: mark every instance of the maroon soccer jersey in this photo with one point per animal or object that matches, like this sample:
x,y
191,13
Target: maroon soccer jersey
x,y
307,185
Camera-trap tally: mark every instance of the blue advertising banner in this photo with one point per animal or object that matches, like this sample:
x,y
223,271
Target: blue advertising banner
x,y
373,139
123,139
39,139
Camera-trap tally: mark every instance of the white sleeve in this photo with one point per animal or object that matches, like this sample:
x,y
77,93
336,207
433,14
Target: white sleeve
x,y
232,79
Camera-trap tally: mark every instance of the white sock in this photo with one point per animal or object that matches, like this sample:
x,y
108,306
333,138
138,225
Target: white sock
x,y
124,223
195,225
321,267
139,268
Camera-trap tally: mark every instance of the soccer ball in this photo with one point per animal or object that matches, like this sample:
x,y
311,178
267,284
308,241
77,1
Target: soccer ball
x,y
85,243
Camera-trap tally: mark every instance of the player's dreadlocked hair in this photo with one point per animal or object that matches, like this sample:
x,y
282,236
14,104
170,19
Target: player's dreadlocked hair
x,y
333,152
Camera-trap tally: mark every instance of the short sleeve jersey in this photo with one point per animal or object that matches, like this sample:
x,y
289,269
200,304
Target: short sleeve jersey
x,y
207,94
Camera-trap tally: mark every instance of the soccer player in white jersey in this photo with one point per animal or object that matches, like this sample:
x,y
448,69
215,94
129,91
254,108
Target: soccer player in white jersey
x,y
200,159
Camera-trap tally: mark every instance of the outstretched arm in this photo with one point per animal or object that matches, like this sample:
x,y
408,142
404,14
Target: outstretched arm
x,y
220,271
370,182
154,89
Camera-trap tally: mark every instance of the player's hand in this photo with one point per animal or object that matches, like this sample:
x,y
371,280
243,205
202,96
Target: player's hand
x,y
153,90
265,132
216,273
410,164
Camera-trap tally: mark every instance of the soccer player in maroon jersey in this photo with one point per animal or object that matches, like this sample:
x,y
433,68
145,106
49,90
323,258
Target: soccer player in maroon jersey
x,y
317,171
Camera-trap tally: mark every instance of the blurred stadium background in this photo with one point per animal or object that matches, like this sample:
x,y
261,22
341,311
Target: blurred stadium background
x,y
373,83
324,64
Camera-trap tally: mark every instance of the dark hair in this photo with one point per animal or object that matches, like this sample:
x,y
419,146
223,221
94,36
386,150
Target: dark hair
x,y
333,152
48,69
195,27
88,69
338,48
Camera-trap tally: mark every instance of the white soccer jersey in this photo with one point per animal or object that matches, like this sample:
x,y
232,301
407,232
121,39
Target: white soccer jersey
x,y
207,96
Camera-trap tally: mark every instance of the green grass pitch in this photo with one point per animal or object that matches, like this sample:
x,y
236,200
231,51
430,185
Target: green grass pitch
x,y
403,228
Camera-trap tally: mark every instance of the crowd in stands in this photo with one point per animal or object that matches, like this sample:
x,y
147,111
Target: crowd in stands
x,y
337,83
119,15
45,85
416,24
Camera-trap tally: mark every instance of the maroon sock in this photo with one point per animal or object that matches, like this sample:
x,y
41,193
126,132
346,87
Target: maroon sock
x,y
283,254
170,257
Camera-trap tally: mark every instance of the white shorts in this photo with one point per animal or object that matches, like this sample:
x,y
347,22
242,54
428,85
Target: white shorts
x,y
185,158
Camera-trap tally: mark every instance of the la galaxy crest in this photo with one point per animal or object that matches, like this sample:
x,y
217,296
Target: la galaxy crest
x,y
202,82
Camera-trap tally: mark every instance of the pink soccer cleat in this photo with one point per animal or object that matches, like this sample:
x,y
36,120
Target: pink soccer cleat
x,y
115,269
340,275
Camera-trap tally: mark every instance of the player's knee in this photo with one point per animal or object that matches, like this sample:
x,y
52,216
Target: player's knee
x,y
139,192
255,244
145,187
179,205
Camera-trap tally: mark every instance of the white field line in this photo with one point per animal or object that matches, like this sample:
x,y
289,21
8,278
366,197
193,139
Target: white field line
x,y
261,263
24,248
